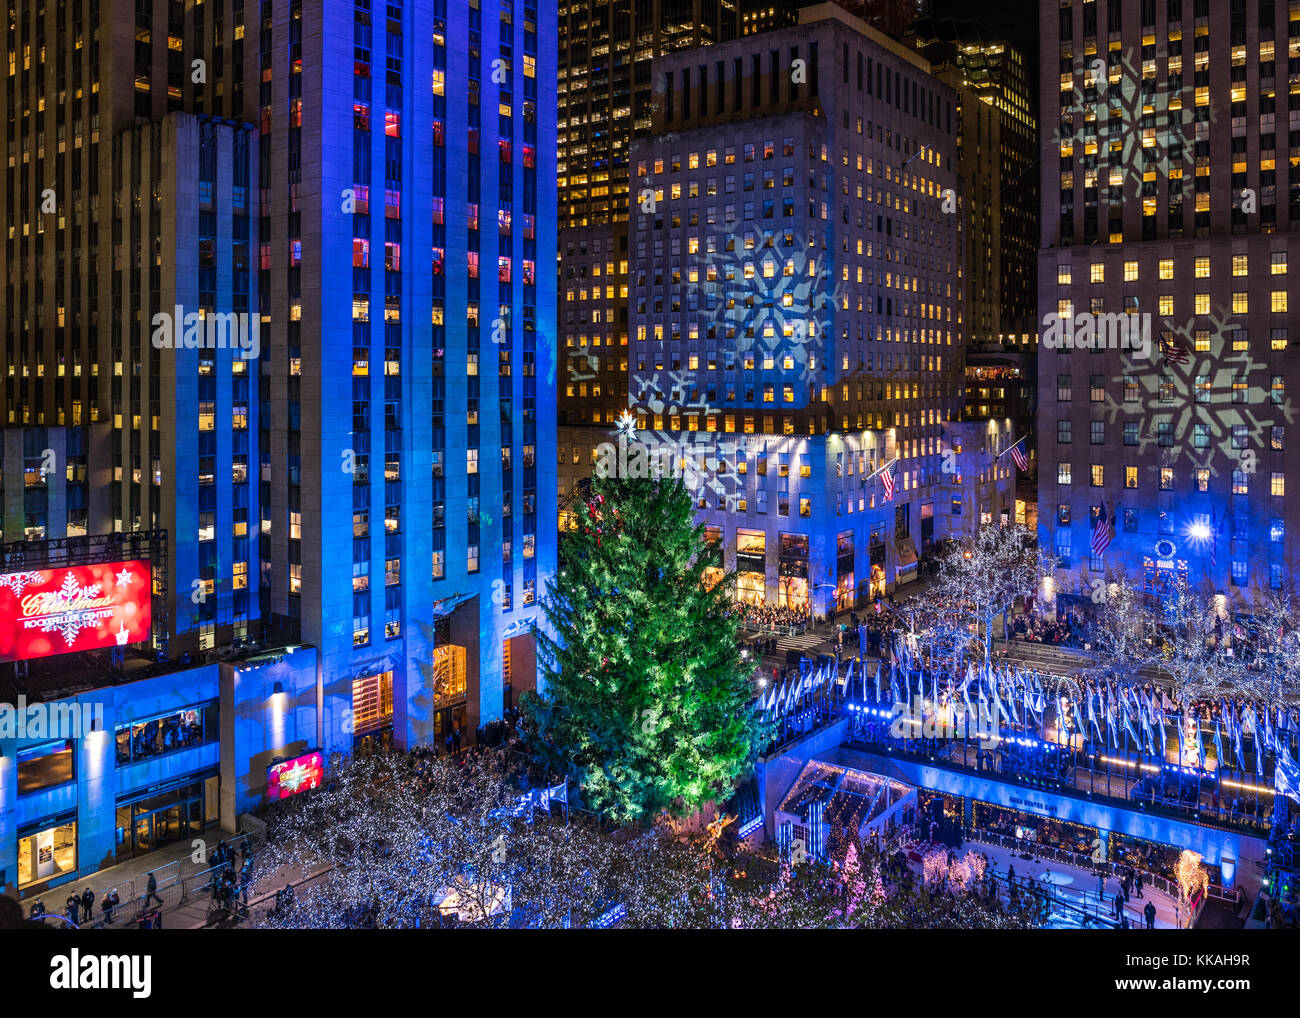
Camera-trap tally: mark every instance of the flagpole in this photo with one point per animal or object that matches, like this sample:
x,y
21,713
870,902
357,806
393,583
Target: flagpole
x,y
1008,448
875,473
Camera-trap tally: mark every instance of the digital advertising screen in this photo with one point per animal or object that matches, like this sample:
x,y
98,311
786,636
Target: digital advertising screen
x,y
45,612
289,777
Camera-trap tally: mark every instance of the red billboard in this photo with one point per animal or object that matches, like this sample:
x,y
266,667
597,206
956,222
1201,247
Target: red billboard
x,y
58,611
293,776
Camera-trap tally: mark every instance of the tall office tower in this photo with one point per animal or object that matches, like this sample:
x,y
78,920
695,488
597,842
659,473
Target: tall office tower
x,y
796,305
997,151
128,313
605,99
177,171
1170,226
970,59
407,167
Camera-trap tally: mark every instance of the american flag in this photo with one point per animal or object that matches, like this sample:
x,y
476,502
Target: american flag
x,y
887,478
1018,454
1101,533
1173,351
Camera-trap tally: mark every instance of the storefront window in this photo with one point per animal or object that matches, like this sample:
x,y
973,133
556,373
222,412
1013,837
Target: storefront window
x,y
449,674
1162,860
1056,834
845,592
372,703
43,855
45,766
792,592
166,733
751,588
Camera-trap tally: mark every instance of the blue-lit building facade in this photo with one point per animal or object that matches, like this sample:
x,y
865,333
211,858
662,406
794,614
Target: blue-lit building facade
x,y
349,542
404,489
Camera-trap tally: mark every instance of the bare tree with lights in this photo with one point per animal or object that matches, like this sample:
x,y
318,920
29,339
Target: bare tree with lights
x,y
398,842
985,576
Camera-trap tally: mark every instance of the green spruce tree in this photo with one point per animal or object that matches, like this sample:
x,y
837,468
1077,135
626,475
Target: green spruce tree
x,y
647,703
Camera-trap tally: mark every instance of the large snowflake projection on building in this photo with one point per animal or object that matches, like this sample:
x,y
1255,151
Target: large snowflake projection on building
x,y
763,302
773,296
1138,121
1217,401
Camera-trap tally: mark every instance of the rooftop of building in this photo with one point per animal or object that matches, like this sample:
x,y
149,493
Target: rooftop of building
x,y
834,12
66,675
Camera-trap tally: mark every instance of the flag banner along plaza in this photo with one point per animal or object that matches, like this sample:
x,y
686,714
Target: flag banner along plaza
x,y
58,611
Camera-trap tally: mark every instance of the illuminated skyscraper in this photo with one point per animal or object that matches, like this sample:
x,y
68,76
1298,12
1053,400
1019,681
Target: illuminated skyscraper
x,y
796,295
605,99
1171,184
366,478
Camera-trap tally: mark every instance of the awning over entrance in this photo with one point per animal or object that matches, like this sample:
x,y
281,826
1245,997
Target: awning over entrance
x,y
854,800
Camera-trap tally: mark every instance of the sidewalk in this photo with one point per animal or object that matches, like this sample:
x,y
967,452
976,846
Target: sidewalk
x,y
1083,887
199,914
177,874
130,878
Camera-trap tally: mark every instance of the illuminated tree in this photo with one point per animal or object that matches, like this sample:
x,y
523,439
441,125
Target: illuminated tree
x,y
987,573
1192,876
647,702
1124,626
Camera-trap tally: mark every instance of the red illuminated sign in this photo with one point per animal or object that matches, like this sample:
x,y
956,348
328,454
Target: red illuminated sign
x,y
293,776
58,611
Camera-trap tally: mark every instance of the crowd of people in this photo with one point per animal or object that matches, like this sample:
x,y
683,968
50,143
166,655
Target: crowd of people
x,y
502,732
161,735
1035,627
232,873
768,616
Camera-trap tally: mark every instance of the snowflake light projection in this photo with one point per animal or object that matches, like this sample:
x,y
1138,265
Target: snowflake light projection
x,y
761,294
1188,396
1147,127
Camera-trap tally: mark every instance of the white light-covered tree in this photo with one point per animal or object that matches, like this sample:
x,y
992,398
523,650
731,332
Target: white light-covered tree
x,y
986,574
1123,629
394,841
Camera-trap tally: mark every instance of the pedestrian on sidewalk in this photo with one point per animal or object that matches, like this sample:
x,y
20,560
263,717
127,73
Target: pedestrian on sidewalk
x,y
72,907
1150,913
1101,886
88,904
38,909
108,904
1119,904
1137,883
151,890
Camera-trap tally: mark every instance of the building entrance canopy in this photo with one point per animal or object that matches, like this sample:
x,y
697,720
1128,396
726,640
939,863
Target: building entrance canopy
x,y
854,800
